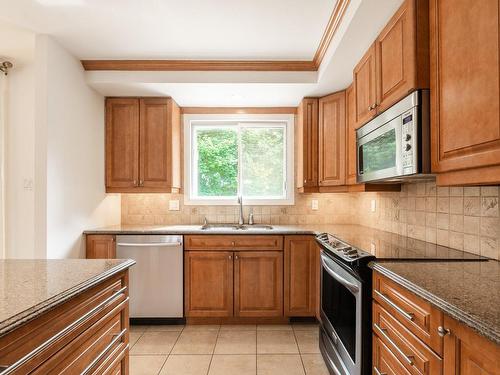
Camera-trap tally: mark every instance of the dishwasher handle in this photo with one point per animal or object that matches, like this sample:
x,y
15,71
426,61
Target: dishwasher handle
x,y
149,244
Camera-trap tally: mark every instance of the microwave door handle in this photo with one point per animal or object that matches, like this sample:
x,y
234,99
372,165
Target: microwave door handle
x,y
353,288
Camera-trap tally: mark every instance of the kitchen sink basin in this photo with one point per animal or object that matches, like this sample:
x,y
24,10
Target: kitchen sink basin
x,y
236,227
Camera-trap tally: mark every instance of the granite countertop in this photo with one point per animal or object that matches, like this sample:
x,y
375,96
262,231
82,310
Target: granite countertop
x,y
467,291
28,288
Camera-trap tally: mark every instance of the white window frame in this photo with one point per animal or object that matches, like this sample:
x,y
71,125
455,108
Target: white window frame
x,y
241,120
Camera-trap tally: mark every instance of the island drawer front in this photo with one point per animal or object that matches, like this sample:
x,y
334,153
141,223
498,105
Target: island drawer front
x,y
411,352
237,242
35,342
384,361
419,316
88,351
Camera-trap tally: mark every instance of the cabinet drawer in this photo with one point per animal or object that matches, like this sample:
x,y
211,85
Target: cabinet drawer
x,y
412,353
89,350
384,361
47,335
414,313
238,242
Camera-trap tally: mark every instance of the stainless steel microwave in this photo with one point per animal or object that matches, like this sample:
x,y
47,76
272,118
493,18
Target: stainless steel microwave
x,y
395,145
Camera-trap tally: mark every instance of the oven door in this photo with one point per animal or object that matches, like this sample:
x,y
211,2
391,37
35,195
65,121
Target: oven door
x,y
379,152
341,299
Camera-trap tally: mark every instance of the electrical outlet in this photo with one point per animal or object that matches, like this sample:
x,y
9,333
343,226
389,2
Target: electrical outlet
x,y
373,205
314,204
173,205
28,184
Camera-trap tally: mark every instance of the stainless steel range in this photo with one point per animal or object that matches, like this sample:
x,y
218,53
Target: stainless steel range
x,y
345,307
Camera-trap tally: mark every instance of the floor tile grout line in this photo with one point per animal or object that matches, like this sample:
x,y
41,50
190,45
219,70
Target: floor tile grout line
x,y
213,351
168,355
300,354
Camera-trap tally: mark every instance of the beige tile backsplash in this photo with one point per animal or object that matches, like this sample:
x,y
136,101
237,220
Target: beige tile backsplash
x,y
460,217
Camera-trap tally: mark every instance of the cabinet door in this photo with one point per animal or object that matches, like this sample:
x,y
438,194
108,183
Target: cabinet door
x,y
301,268
122,143
332,140
465,98
384,361
307,144
100,246
208,279
365,87
157,131
351,166
396,58
258,283
467,353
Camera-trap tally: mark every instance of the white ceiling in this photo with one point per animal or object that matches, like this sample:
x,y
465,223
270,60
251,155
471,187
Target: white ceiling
x,y
177,29
209,29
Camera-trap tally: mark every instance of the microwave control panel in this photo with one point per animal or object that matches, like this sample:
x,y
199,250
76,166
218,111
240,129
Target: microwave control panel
x,y
408,142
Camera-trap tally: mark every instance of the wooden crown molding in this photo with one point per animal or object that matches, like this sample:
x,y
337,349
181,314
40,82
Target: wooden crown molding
x,y
238,110
231,65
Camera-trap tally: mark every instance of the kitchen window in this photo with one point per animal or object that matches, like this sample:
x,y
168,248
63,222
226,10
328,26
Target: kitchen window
x,y
228,156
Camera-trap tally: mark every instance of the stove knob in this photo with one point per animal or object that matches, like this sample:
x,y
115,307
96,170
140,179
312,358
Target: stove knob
x,y
408,137
408,147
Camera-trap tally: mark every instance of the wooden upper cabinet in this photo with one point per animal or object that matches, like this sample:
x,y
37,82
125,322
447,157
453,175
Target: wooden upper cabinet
x,y
100,246
332,140
258,284
465,98
301,269
122,143
208,283
467,353
364,76
307,145
351,164
159,144
402,54
142,145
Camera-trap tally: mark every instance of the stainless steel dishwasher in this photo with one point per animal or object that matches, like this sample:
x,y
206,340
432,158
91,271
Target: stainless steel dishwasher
x,y
156,280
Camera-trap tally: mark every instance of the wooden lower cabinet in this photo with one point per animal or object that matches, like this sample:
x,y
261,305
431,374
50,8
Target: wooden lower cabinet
x,y
301,271
467,353
208,279
397,349
258,283
89,333
100,246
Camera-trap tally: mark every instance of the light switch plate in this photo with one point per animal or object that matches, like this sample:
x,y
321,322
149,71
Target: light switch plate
x,y
314,204
173,205
373,205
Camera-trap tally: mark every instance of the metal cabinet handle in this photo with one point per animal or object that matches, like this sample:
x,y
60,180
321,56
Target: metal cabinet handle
x,y
135,182
108,347
230,257
232,243
236,257
442,332
382,332
377,371
407,315
42,347
141,182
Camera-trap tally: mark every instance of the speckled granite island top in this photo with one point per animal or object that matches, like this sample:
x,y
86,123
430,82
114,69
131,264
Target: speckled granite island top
x,y
467,291
28,288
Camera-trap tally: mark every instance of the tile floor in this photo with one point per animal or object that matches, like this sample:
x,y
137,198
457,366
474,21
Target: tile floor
x,y
226,350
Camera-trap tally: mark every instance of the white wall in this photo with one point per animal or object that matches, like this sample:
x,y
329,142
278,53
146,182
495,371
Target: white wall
x,y
55,138
18,46
76,198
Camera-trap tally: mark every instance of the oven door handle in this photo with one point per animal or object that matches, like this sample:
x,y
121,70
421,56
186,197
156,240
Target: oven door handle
x,y
352,287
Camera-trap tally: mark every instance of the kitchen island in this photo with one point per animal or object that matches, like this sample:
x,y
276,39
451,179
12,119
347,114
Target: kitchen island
x,y
61,314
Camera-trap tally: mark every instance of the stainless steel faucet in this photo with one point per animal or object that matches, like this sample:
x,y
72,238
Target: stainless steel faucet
x,y
240,202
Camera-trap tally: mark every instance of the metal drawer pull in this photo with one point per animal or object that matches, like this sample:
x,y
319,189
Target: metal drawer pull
x,y
382,331
22,361
442,332
407,315
149,244
108,347
377,371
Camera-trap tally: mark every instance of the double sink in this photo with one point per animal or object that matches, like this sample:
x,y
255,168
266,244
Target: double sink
x,y
235,227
